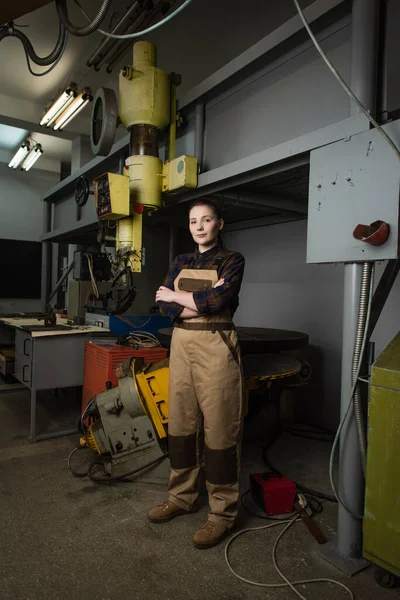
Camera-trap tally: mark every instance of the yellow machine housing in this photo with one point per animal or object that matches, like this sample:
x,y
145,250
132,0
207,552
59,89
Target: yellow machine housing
x,y
144,90
180,173
147,105
381,526
152,386
111,195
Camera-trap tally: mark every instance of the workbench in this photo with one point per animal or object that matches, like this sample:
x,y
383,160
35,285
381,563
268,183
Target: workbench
x,y
48,358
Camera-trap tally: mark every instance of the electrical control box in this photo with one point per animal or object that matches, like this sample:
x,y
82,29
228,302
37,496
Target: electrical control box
x,y
180,173
112,197
99,263
353,212
274,494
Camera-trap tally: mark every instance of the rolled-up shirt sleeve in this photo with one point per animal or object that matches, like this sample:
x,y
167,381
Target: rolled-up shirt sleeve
x,y
171,309
224,296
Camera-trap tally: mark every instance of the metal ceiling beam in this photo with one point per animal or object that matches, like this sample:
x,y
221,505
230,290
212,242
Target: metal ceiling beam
x,y
263,222
36,128
245,61
245,197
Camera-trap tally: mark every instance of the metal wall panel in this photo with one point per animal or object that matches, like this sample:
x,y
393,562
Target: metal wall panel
x,y
279,103
354,181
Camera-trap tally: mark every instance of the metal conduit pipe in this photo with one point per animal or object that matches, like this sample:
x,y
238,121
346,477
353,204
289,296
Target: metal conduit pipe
x,y
61,281
42,61
105,46
122,47
360,332
62,10
115,45
119,52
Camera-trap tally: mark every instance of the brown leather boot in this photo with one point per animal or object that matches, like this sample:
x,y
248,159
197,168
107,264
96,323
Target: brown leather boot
x,y
210,535
166,511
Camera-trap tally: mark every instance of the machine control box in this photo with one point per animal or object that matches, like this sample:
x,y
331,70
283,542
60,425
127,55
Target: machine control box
x,y
180,173
111,194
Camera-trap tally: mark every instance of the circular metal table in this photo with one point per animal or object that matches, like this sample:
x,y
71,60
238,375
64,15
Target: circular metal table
x,y
256,340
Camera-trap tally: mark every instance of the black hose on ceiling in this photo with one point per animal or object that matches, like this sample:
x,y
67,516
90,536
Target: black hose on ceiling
x,y
62,10
41,61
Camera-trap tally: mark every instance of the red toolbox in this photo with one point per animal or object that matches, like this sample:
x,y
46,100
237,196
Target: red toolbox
x,y
101,361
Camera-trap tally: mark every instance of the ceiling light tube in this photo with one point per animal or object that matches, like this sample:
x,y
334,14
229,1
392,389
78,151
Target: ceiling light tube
x,y
32,157
82,106
19,156
59,105
73,109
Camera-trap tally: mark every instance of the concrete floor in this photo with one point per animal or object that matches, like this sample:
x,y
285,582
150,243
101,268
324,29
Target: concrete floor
x,y
70,539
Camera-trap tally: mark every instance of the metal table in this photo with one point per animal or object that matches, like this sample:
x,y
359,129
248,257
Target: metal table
x,y
48,358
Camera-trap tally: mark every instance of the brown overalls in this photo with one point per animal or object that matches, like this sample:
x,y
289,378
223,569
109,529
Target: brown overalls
x,y
205,387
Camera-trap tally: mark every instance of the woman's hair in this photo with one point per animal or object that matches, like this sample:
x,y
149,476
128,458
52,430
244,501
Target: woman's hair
x,y
216,207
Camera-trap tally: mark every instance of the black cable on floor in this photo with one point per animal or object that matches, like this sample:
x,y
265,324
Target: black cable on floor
x,y
72,470
301,487
122,478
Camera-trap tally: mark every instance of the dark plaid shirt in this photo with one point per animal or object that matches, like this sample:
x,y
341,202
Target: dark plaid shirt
x,y
230,267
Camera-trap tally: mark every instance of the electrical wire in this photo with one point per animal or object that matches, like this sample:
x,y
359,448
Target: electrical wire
x,y
42,61
133,324
129,36
143,340
95,289
72,470
344,85
338,432
287,583
53,66
306,436
300,486
62,10
315,509
124,477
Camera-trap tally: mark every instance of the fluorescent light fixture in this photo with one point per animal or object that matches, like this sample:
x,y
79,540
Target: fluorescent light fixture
x,y
32,157
19,156
73,109
57,107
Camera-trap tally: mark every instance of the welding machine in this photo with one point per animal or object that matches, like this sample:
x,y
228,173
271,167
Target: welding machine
x,y
273,493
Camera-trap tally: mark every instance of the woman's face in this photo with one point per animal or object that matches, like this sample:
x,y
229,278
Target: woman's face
x,y
204,226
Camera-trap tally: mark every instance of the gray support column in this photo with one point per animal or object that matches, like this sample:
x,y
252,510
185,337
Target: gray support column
x,y
46,257
199,135
351,479
346,550
364,53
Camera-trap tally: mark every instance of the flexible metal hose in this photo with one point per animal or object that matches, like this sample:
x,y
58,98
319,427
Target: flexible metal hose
x,y
4,32
62,10
365,290
45,60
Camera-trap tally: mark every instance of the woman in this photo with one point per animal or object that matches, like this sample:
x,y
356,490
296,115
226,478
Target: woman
x,y
200,294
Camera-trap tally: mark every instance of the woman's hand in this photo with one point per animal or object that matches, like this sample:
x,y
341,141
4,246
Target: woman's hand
x,y
219,282
164,294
